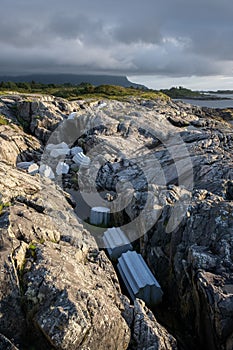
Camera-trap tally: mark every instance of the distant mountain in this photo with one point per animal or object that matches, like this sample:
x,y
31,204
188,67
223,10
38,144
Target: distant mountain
x,y
74,79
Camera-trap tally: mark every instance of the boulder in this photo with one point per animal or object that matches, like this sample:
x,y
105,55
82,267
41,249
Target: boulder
x,y
33,169
52,146
59,152
138,278
62,168
76,150
99,216
116,242
16,146
81,159
46,171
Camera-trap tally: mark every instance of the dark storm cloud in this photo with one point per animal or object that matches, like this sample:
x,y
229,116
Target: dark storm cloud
x,y
173,37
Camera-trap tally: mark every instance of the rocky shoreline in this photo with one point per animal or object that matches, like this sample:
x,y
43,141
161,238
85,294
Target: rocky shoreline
x,y
58,289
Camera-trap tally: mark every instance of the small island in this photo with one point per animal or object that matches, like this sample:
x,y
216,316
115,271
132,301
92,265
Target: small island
x,y
184,93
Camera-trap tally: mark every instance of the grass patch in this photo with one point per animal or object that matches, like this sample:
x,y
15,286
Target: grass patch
x,y
32,250
3,120
3,206
117,93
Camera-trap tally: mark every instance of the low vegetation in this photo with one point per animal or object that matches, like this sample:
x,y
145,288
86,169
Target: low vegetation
x,y
82,91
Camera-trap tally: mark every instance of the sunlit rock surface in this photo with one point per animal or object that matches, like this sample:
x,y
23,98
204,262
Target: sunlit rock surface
x,y
168,164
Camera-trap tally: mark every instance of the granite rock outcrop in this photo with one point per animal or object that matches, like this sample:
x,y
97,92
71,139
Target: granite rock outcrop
x,y
57,290
171,165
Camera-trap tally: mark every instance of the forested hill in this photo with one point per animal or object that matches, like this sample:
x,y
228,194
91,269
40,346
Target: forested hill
x,y
74,79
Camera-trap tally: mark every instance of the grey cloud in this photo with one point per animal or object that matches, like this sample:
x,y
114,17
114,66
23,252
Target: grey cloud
x,y
173,37
136,32
215,42
72,26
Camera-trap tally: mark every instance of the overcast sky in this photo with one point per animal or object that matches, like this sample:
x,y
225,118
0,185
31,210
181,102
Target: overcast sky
x,y
159,43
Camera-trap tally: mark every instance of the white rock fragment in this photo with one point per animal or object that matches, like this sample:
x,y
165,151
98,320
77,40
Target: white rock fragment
x,y
76,150
62,168
102,105
116,242
138,279
52,146
24,165
33,169
81,160
72,115
46,171
59,152
99,215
